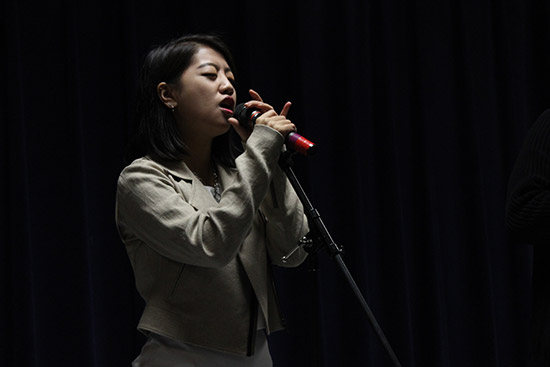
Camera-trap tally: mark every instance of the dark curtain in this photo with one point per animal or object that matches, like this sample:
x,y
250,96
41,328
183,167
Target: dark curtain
x,y
418,110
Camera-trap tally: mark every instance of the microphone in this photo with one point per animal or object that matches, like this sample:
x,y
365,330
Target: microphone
x,y
247,118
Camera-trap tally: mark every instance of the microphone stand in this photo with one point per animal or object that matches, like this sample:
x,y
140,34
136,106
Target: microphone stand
x,y
321,238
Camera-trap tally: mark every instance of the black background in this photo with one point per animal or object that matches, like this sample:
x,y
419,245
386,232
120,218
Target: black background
x,y
418,110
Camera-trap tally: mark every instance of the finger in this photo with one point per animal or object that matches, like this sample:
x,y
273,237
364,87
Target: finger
x,y
255,95
286,107
285,128
270,116
290,129
277,122
261,106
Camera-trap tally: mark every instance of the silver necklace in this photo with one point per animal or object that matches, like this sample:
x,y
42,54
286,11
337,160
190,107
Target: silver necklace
x,y
217,187
217,192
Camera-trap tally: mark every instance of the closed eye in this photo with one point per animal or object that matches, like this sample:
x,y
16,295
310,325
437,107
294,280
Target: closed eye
x,y
214,76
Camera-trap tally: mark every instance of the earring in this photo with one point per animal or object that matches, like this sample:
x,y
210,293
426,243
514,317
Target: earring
x,y
172,107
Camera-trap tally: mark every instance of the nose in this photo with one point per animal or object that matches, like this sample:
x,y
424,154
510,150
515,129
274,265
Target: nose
x,y
226,87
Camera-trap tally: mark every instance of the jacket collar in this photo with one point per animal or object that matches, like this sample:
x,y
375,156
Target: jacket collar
x,y
176,168
200,196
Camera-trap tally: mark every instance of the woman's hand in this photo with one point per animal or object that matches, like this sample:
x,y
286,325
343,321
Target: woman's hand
x,y
268,117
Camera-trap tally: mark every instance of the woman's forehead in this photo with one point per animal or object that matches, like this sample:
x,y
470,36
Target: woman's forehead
x,y
206,56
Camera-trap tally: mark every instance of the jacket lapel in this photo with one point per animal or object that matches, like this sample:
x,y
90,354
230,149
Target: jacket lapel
x,y
193,190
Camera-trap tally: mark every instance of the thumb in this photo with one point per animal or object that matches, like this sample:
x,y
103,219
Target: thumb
x,y
243,132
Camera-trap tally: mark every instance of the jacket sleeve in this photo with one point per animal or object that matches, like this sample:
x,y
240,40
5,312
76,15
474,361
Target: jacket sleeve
x,y
528,204
286,223
151,210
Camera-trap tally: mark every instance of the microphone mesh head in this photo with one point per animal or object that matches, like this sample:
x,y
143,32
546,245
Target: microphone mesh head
x,y
242,114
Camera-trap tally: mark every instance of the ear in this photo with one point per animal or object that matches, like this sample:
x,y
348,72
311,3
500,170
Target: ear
x,y
166,95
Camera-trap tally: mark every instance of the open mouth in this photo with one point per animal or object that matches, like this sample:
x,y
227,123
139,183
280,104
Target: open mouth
x,y
227,105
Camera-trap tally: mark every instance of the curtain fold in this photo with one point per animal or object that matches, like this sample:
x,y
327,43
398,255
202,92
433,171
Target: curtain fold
x,y
418,110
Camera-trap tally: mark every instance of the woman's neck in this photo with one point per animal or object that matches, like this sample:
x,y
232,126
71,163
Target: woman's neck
x,y
199,161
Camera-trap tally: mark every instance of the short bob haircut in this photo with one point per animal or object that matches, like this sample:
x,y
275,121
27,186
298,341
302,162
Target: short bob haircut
x,y
157,134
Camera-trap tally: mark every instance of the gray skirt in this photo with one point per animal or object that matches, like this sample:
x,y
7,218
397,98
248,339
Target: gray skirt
x,y
160,351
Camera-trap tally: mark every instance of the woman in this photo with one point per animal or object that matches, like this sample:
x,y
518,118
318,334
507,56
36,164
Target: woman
x,y
201,227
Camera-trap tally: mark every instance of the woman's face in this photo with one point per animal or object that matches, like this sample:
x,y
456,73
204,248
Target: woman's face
x,y
205,96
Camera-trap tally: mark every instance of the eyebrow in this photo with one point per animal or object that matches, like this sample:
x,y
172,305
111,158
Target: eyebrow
x,y
228,69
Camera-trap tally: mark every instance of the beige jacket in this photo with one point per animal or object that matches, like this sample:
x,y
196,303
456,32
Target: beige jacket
x,y
202,266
